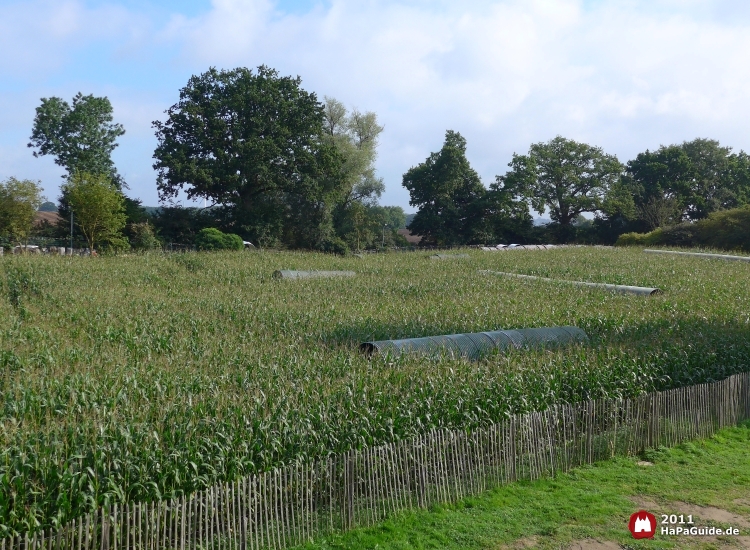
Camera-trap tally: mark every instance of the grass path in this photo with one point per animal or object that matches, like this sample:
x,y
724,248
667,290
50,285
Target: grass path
x,y
589,507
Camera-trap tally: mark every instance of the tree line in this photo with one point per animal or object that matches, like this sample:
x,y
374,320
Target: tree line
x,y
272,163
276,166
565,179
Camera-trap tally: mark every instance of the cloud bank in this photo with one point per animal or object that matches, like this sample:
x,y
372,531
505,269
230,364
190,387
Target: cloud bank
x,y
624,75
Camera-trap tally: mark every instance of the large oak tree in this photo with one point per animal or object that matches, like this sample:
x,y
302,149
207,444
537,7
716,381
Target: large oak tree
x,y
252,142
566,177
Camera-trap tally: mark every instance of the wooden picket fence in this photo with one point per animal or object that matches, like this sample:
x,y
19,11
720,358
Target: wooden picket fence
x,y
288,506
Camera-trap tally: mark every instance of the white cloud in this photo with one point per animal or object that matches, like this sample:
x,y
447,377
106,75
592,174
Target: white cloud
x,y
623,74
41,36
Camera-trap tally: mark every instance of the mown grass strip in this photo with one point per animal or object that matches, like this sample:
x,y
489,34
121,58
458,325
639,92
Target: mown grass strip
x,y
588,503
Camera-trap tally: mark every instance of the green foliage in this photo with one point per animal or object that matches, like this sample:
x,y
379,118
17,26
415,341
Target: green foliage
x,y
683,234
176,224
334,245
726,229
143,237
568,178
113,245
253,142
20,283
393,216
191,262
81,136
47,207
233,242
213,239
151,376
507,215
368,227
98,209
355,138
445,189
687,182
631,239
19,201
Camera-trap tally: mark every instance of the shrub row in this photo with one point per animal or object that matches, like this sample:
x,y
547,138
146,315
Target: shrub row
x,y
213,239
726,230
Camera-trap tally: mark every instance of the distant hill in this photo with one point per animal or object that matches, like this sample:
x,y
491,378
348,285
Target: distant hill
x,y
409,218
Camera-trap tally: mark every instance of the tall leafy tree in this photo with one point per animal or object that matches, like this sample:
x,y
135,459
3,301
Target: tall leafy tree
x,y
81,136
445,189
19,200
98,207
355,136
253,142
506,213
687,181
565,176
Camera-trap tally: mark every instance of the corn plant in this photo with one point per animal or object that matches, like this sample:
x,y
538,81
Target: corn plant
x,y
147,377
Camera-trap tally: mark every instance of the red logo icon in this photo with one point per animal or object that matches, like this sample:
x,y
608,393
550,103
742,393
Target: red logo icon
x,y
642,525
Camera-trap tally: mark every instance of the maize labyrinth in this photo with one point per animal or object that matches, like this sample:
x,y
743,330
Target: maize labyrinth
x,y
287,506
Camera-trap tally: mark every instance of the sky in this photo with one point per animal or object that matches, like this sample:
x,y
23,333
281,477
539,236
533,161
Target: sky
x,y
624,75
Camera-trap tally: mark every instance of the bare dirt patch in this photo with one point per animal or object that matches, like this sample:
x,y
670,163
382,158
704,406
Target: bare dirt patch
x,y
646,503
710,513
706,513
526,542
592,544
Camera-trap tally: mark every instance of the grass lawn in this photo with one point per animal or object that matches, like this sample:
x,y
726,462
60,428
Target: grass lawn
x,y
589,507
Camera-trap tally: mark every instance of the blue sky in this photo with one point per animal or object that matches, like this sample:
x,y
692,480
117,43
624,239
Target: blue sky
x,y
626,75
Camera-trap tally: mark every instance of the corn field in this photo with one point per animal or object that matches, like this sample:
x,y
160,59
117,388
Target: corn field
x,y
288,506
140,379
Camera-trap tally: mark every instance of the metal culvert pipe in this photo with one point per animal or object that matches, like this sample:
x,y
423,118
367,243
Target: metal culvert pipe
x,y
624,289
702,255
476,345
448,256
503,247
290,274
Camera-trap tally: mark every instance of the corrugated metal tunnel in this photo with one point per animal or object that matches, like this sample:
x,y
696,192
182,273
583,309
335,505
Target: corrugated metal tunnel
x,y
728,257
290,274
624,289
447,256
476,345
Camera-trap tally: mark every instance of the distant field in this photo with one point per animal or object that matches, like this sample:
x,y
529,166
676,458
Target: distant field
x,y
143,377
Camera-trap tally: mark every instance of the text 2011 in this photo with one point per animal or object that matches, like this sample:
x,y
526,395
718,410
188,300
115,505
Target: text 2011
x,y
674,519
